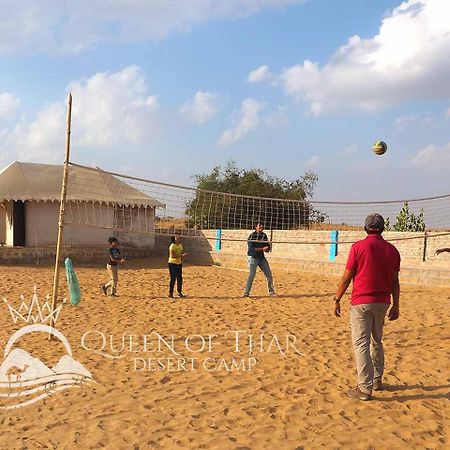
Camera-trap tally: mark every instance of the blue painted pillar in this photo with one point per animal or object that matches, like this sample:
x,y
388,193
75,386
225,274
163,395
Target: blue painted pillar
x,y
334,244
218,239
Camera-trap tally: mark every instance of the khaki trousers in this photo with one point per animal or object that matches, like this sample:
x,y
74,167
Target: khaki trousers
x,y
367,322
113,278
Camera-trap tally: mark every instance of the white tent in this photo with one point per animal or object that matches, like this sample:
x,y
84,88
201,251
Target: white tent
x,y
30,195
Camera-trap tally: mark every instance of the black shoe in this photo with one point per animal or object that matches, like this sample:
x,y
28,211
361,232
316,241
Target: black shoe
x,y
180,294
170,295
104,289
114,295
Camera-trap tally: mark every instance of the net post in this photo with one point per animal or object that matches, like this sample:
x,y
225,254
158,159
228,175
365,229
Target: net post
x,y
334,244
218,239
425,244
61,212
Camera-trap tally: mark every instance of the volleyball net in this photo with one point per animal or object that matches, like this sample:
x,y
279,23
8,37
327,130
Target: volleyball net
x,y
123,203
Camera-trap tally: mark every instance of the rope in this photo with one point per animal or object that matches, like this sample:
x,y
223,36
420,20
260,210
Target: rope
x,y
320,202
189,236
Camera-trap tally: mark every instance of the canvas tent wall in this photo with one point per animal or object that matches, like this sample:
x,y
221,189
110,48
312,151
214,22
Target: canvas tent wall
x,y
30,193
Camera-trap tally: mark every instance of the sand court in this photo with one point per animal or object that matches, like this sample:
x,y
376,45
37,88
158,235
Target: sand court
x,y
219,391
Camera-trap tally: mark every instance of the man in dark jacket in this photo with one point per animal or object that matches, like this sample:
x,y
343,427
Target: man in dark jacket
x,y
258,244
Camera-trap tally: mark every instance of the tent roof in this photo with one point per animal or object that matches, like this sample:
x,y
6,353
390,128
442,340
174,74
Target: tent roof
x,y
42,182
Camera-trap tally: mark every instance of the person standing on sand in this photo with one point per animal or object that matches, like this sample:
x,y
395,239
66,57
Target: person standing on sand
x,y
373,264
114,258
258,244
176,256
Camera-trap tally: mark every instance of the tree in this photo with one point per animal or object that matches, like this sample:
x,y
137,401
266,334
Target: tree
x,y
255,189
407,221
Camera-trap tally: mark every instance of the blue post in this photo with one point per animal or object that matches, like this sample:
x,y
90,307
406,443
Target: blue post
x,y
334,246
218,239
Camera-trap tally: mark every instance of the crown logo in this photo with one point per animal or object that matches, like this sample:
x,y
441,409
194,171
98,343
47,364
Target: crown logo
x,y
35,313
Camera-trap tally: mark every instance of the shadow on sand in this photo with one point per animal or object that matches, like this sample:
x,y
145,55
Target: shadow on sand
x,y
422,396
233,297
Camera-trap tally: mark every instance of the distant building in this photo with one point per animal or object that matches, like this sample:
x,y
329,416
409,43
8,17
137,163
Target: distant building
x,y
98,204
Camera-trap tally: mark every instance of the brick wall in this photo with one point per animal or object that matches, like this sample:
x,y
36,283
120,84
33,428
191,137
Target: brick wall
x,y
45,255
287,244
289,255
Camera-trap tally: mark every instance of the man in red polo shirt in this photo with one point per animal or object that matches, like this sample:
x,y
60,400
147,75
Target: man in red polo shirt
x,y
373,265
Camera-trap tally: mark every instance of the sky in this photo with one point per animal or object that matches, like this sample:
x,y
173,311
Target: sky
x,y
164,92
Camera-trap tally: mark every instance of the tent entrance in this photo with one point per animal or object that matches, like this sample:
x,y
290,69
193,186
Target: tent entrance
x,y
19,223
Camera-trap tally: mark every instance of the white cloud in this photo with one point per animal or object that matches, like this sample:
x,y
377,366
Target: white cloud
x,y
262,73
247,119
278,118
152,101
406,121
347,151
202,108
313,162
432,157
8,104
51,26
407,60
35,19
41,140
109,109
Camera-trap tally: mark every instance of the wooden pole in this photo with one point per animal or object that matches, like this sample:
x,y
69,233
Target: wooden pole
x,y
425,245
61,212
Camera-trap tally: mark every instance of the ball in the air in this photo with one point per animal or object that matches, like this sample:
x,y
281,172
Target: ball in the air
x,y
379,148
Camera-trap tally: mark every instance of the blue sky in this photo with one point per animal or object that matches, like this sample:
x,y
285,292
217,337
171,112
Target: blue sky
x,y
164,92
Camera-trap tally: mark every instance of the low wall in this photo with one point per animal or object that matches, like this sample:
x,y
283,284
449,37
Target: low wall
x,y
290,244
287,254
44,255
422,275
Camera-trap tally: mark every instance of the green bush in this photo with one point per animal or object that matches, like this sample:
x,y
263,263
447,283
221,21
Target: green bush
x,y
406,221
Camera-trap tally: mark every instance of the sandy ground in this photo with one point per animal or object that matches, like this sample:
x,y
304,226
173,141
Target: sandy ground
x,y
279,399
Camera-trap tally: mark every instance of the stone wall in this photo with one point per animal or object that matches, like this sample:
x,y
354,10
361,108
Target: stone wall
x,y
287,254
310,245
46,255
313,254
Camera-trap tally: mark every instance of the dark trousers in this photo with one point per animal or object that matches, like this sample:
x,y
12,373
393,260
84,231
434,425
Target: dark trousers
x,y
176,273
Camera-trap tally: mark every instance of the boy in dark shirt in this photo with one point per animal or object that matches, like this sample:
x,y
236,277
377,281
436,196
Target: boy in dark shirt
x,y
114,259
